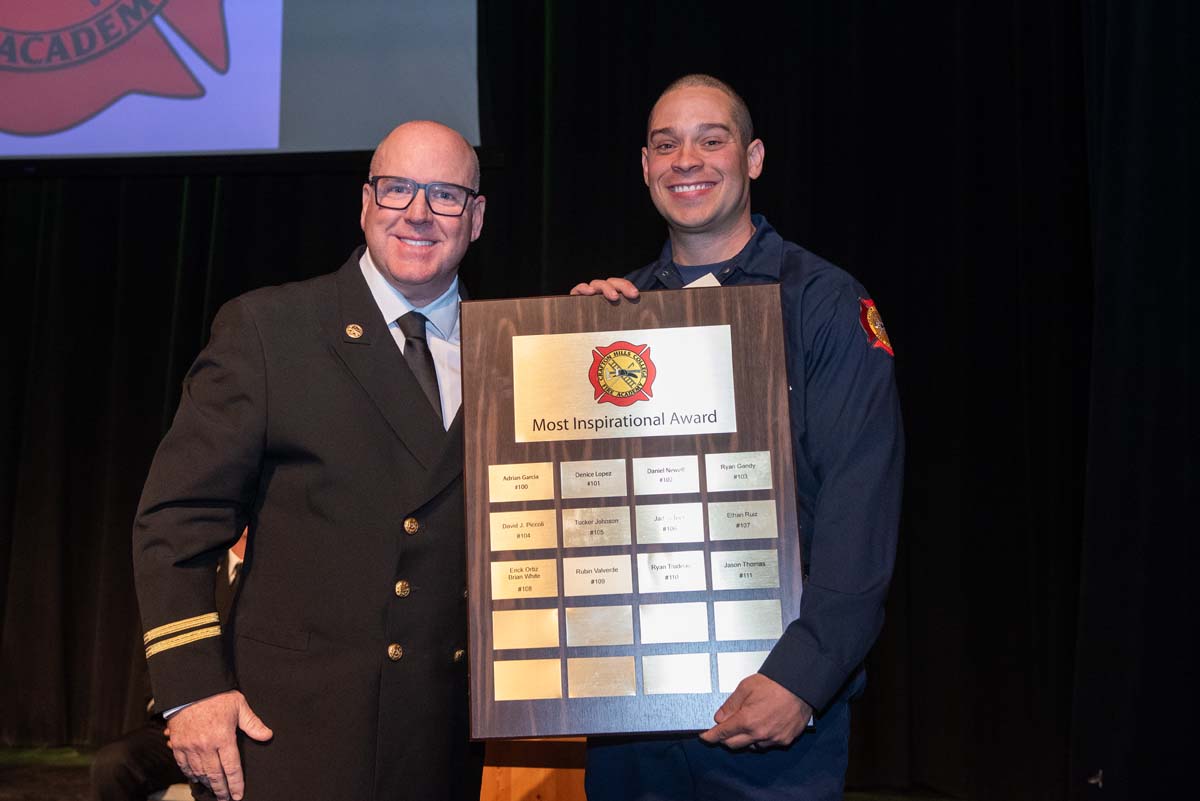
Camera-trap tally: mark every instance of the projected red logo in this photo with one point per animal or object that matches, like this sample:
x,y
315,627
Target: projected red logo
x,y
64,61
622,374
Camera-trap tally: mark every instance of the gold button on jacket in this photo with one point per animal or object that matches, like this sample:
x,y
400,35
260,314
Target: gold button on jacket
x,y
403,588
395,652
459,655
411,525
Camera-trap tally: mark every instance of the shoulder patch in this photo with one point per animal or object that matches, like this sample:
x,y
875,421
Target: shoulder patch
x,y
872,324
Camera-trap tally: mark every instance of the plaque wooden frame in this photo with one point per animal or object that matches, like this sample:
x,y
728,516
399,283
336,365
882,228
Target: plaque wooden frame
x,y
763,424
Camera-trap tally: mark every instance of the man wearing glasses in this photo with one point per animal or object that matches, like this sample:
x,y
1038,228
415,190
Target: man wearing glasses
x,y
324,414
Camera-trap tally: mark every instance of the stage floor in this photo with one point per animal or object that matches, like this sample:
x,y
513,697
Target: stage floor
x,y
61,774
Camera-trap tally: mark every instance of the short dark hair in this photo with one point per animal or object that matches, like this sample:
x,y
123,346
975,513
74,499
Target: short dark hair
x,y
741,112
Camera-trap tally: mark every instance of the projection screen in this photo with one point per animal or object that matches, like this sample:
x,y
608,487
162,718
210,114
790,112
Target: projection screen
x,y
152,77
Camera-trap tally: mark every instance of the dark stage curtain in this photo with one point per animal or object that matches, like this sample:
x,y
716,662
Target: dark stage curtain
x,y
975,165
1135,692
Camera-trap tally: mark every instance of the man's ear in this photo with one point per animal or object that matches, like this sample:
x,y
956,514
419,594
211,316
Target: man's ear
x,y
645,167
754,158
480,205
367,201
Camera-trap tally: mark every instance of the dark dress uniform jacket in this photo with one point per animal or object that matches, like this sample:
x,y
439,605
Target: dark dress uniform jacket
x,y
302,419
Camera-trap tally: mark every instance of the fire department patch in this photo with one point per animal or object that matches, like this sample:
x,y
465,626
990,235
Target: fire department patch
x,y
872,323
64,61
622,374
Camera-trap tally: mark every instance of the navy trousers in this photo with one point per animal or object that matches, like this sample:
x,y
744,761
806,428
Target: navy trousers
x,y
812,768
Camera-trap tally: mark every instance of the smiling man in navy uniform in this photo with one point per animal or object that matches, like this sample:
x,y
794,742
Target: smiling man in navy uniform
x,y
324,414
847,440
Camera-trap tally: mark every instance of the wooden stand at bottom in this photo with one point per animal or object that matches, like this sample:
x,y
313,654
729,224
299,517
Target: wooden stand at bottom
x,y
534,770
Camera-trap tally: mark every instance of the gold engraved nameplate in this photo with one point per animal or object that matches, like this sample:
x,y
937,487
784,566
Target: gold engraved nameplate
x,y
738,471
595,525
533,578
670,522
742,520
745,570
597,575
666,475
521,482
599,478
673,571
522,531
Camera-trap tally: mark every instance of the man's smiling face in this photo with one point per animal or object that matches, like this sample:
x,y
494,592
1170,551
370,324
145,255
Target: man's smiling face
x,y
697,170
417,251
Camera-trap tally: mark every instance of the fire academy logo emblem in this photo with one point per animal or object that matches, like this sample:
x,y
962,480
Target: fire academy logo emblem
x,y
622,374
64,61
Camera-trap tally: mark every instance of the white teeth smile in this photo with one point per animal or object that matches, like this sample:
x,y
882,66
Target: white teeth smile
x,y
421,243
691,187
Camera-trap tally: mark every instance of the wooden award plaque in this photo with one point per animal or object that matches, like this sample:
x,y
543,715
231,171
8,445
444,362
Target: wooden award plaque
x,y
632,542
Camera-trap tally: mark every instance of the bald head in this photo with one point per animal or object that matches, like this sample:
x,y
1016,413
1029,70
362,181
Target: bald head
x,y
415,248
432,140
738,109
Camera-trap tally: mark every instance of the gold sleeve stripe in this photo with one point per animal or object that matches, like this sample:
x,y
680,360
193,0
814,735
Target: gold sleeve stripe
x,y
183,639
179,625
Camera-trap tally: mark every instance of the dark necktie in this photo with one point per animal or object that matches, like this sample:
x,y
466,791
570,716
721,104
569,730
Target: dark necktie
x,y
420,360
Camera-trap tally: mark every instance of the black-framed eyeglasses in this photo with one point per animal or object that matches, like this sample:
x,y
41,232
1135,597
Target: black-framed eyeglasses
x,y
394,192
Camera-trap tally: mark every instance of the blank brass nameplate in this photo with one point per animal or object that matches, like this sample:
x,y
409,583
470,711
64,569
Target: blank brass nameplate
x,y
597,575
599,625
533,578
526,679
598,677
525,628
663,475
520,531
749,470
745,570
674,622
603,525
533,481
598,478
676,571
732,667
748,620
742,520
670,522
676,673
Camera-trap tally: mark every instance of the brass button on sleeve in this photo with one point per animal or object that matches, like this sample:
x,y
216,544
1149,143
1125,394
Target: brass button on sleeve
x,y
459,655
403,588
411,525
395,652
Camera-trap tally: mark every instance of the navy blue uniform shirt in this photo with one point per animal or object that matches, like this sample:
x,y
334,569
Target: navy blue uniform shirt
x,y
848,445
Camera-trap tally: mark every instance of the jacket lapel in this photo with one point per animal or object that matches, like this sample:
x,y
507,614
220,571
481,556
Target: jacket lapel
x,y
359,337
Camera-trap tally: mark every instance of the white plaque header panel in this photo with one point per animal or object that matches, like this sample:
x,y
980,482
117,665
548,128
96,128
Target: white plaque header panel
x,y
679,383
